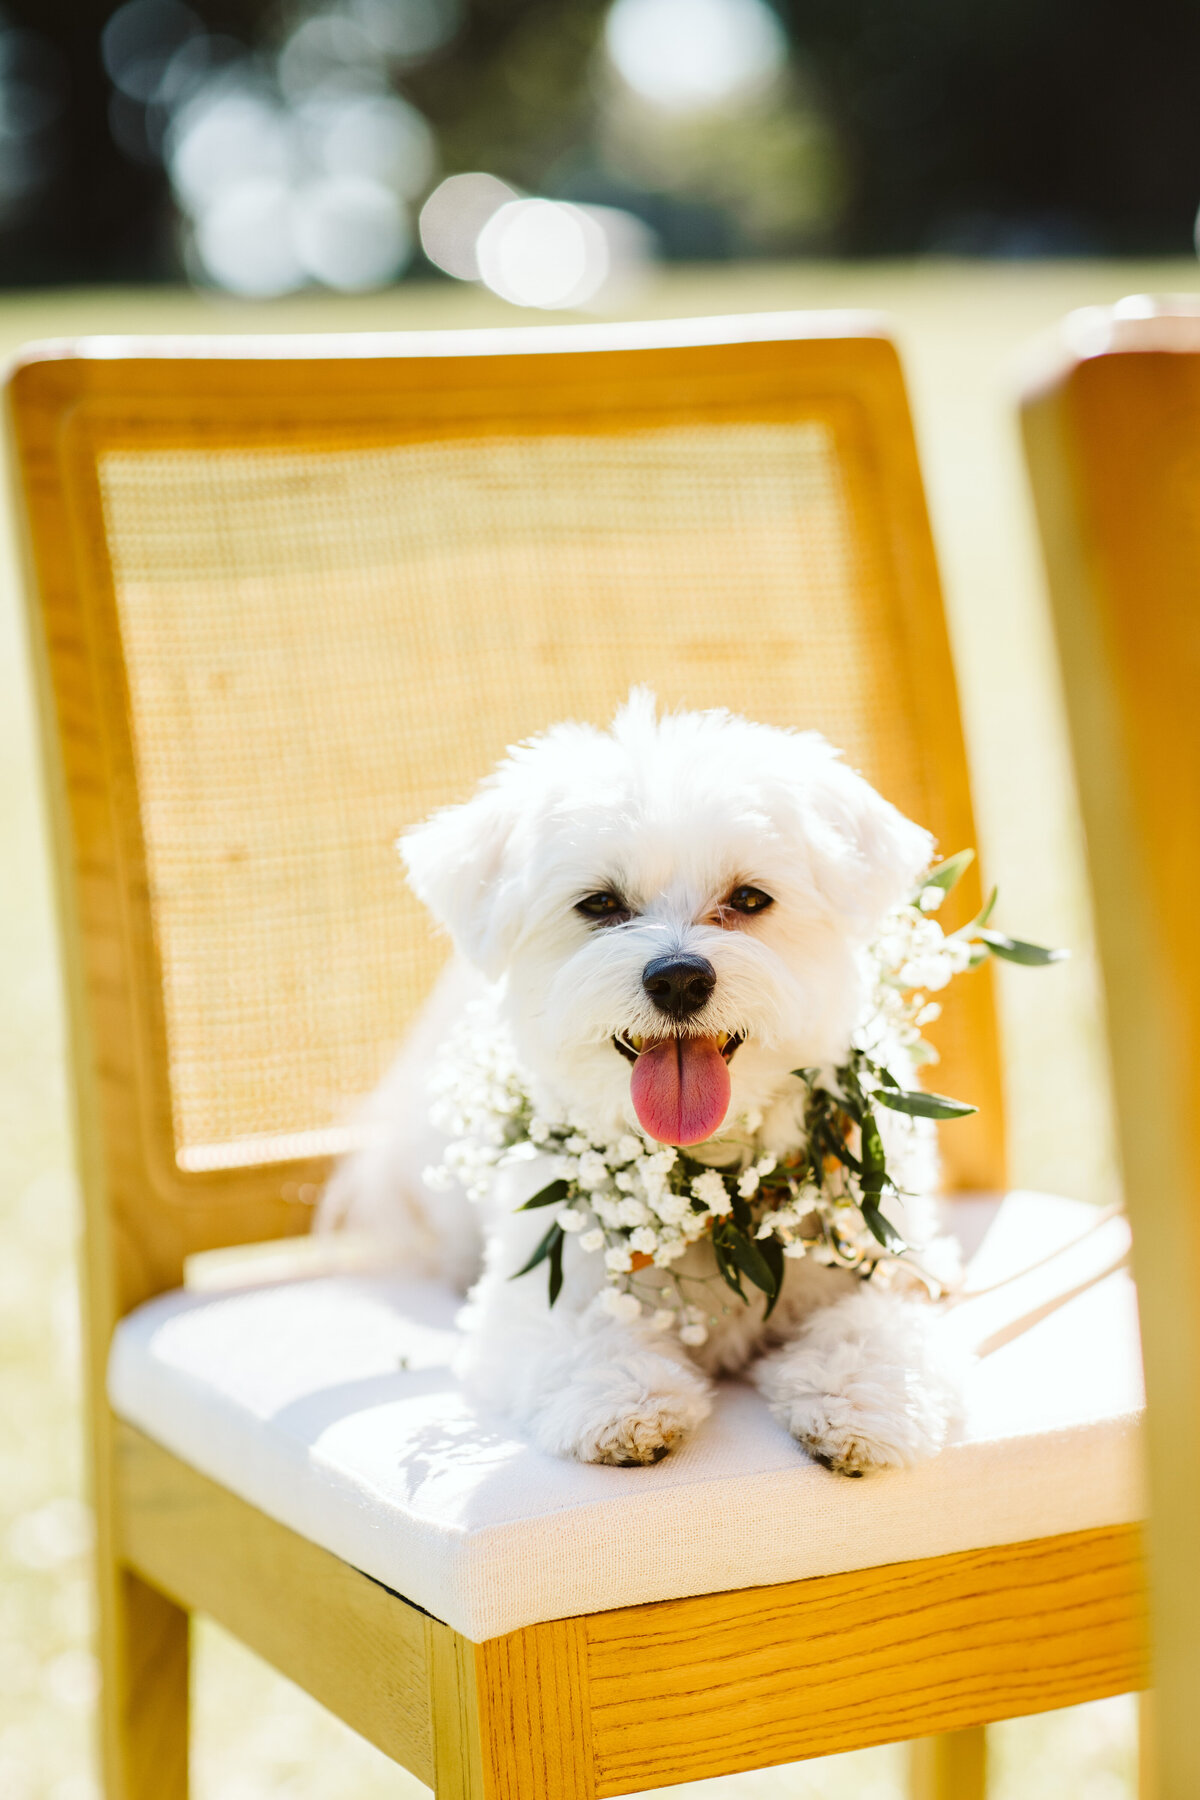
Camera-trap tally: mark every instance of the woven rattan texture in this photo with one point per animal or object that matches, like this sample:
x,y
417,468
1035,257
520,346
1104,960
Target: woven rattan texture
x,y
322,645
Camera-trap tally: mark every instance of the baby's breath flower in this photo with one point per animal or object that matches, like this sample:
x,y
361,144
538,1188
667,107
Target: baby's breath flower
x,y
672,1208
592,1240
569,1219
669,1251
644,1240
632,1212
622,1306
663,1319
711,1189
748,1183
576,1145
693,1335
618,1260
593,1170
628,1149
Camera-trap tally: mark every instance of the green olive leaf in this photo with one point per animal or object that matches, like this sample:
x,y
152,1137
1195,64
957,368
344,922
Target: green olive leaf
x,y
552,1237
920,1105
553,1195
948,874
1033,956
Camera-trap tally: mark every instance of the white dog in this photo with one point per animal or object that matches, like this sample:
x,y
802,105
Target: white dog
x,y
692,895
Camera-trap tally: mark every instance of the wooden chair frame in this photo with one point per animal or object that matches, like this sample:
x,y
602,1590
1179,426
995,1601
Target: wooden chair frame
x,y
1110,417
603,1704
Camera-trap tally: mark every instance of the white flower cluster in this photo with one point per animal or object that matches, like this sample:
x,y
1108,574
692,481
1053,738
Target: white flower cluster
x,y
478,1099
911,958
641,1205
634,1202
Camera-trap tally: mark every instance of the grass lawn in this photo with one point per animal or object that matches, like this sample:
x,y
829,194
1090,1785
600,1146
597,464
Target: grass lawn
x,y
960,327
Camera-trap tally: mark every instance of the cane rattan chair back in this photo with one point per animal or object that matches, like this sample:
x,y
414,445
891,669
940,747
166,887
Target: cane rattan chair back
x,y
291,597
1112,428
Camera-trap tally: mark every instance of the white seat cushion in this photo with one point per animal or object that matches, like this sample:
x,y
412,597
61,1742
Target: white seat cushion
x,y
328,1403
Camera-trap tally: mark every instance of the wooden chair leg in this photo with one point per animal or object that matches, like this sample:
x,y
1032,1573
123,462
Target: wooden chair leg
x,y
950,1767
1147,1777
144,1691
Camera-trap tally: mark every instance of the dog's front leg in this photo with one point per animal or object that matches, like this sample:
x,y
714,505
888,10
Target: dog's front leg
x,y
581,1383
867,1383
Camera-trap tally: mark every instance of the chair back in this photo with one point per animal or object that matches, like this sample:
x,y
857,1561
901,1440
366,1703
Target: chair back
x,y
289,595
1112,428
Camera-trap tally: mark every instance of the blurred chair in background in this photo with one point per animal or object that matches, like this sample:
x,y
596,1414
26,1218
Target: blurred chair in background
x,y
287,597
1112,430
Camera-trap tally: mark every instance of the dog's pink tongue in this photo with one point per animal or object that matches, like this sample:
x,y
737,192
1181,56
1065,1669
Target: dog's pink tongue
x,y
680,1089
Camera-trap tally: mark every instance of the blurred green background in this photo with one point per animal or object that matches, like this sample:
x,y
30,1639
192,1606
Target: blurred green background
x,y
963,327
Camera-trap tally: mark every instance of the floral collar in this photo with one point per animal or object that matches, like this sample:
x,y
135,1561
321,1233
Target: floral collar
x,y
642,1205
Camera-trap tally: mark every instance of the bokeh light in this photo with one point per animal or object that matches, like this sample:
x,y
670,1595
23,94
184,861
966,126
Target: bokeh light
x,y
350,232
543,253
408,30
329,52
684,55
245,240
532,251
289,169
453,217
140,40
33,95
378,136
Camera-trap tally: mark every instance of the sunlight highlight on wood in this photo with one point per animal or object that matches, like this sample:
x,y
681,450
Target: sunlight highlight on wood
x,y
1112,437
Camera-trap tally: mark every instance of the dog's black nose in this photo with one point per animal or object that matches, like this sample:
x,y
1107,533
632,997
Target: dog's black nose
x,y
679,984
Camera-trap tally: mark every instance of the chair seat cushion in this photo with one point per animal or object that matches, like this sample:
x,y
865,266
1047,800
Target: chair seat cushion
x,y
329,1404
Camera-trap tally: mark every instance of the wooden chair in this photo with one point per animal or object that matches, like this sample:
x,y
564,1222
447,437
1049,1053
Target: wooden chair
x,y
1112,430
287,595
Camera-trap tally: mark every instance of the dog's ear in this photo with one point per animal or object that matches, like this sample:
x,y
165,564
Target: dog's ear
x,y
867,857
456,864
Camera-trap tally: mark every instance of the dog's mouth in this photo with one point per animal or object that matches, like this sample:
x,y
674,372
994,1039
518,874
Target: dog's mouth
x,y
631,1045
680,1085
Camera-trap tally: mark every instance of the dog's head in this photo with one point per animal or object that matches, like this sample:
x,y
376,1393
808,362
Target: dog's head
x,y
675,909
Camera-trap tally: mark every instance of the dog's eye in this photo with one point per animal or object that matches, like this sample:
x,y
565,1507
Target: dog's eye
x,y
603,906
749,900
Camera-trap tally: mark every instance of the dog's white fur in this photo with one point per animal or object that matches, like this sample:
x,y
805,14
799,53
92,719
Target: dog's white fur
x,y
673,813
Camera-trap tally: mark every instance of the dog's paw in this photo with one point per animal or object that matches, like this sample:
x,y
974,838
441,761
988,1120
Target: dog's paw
x,y
627,1413
851,1438
644,1435
866,1386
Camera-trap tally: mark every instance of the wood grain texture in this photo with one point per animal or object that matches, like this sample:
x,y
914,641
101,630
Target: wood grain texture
x,y
144,1702
535,1714
950,1767
458,1750
357,1648
727,1682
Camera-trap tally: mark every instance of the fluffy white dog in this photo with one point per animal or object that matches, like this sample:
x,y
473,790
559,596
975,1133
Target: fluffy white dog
x,y
667,919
